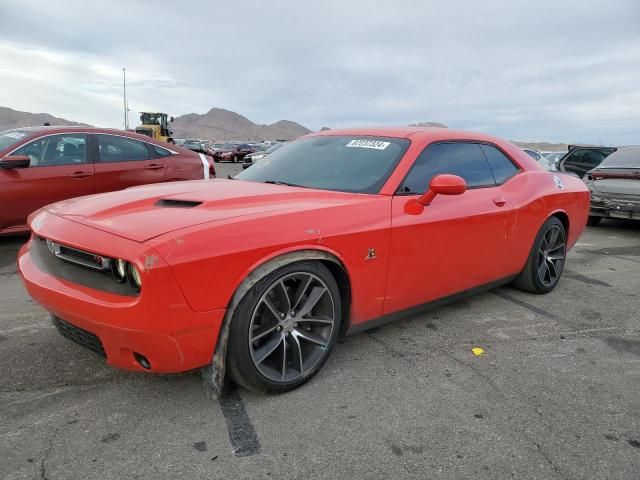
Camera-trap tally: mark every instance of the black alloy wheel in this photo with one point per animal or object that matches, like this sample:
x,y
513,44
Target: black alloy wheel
x,y
285,328
551,256
546,259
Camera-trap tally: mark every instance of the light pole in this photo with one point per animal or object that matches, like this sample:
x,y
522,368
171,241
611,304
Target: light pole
x,y
124,94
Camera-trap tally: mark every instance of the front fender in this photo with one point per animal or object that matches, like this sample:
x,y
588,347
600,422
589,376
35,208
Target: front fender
x,y
213,375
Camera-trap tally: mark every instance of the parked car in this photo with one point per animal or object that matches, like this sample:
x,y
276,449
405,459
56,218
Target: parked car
x,y
231,152
251,158
615,186
553,158
338,232
580,159
540,158
43,165
195,146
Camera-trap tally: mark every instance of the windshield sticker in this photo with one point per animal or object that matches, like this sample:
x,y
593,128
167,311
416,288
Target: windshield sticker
x,y
373,144
16,135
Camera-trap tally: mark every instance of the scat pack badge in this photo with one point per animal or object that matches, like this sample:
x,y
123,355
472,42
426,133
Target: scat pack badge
x,y
558,181
371,254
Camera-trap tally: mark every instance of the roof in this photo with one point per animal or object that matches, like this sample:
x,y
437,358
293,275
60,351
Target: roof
x,y
61,129
430,133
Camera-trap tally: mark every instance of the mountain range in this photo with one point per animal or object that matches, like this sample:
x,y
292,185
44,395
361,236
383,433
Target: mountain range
x,y
10,118
218,124
221,124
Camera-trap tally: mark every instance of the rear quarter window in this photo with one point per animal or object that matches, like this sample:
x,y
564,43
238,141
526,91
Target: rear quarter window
x,y
503,168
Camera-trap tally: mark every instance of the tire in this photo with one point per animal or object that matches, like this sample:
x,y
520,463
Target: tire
x,y
547,257
216,160
287,352
593,221
235,159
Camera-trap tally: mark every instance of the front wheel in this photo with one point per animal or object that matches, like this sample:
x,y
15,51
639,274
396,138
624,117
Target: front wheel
x,y
284,328
546,261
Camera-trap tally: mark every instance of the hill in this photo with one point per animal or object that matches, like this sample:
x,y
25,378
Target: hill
x,y
10,118
220,124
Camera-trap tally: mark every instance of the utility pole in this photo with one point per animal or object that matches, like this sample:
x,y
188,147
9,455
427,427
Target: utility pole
x,y
124,94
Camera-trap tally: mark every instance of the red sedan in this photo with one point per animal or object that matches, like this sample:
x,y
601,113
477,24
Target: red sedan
x,y
43,165
337,232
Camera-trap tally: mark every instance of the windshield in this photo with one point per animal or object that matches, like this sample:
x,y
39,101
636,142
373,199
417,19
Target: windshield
x,y
228,146
342,163
273,148
10,138
624,158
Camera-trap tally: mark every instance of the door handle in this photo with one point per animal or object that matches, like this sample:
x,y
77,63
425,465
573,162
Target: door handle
x,y
500,201
79,175
153,166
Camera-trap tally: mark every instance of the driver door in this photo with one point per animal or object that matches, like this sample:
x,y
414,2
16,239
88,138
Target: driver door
x,y
457,242
60,169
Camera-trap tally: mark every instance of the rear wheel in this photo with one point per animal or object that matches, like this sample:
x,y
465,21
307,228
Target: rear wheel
x,y
546,261
593,221
284,329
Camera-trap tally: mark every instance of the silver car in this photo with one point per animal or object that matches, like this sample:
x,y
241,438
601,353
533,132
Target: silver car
x,y
615,186
540,158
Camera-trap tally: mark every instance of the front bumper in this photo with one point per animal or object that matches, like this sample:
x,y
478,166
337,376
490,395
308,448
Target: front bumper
x,y
157,324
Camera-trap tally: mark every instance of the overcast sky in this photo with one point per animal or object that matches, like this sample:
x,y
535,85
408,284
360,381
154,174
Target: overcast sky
x,y
556,70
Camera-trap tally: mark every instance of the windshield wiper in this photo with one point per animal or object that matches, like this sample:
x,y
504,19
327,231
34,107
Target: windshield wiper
x,y
278,182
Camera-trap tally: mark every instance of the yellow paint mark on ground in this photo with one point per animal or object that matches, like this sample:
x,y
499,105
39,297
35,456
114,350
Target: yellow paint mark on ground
x,y
477,351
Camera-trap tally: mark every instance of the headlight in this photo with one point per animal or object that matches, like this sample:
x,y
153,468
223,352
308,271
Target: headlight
x,y
120,270
134,276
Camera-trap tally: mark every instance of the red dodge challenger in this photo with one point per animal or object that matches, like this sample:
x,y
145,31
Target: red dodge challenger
x,y
334,233
43,165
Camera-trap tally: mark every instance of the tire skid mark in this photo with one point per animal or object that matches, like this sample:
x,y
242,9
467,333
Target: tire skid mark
x,y
585,279
242,434
532,308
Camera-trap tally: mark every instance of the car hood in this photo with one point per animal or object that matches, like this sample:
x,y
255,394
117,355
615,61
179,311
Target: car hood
x,y
143,213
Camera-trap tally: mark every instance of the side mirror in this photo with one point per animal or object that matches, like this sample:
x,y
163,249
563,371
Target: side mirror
x,y
443,184
15,161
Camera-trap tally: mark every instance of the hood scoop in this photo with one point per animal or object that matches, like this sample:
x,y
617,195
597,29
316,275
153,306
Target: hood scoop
x,y
169,203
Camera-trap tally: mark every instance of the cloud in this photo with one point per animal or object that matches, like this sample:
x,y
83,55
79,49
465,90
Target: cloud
x,y
544,70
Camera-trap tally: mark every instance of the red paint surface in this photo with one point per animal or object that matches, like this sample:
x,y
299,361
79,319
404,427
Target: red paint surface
x,y
25,190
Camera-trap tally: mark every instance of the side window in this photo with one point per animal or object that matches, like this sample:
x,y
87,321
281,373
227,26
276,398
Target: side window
x,y
593,158
56,150
503,168
532,154
159,151
573,159
463,159
121,149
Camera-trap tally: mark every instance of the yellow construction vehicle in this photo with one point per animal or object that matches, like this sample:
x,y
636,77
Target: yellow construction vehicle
x,y
156,125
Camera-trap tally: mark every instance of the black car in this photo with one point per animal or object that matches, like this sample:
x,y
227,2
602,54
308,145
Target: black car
x,y
254,157
580,159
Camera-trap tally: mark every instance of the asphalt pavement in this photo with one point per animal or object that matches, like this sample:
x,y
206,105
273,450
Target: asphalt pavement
x,y
556,393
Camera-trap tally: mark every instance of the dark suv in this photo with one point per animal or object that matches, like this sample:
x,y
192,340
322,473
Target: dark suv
x,y
580,160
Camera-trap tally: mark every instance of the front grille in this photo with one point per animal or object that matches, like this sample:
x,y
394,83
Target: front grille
x,y
84,258
76,266
80,336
